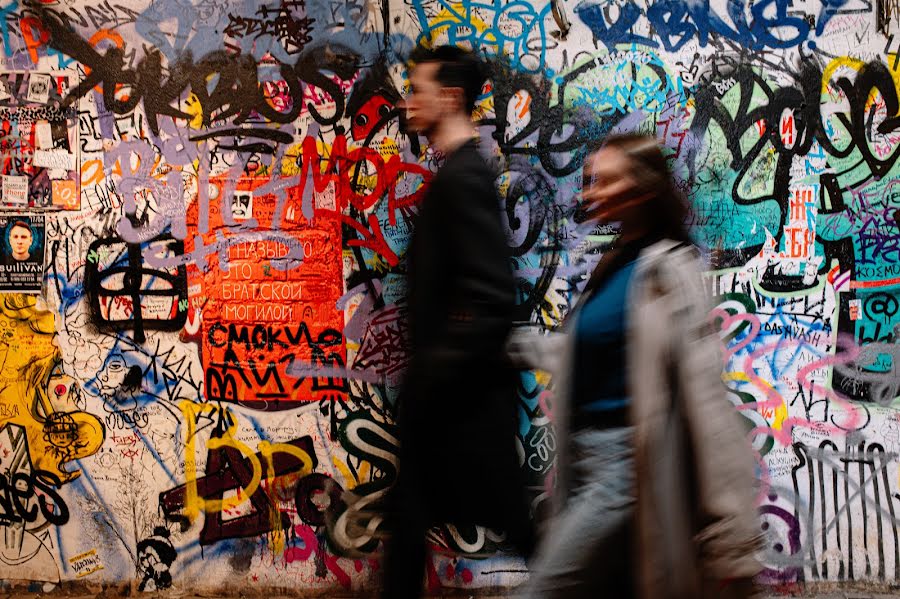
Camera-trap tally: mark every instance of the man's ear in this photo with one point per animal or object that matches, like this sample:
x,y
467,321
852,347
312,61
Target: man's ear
x,y
455,99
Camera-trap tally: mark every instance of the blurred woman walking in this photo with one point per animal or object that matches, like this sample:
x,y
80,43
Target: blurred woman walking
x,y
654,494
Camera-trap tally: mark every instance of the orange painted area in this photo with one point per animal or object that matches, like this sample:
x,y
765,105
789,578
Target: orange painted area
x,y
92,172
259,322
871,284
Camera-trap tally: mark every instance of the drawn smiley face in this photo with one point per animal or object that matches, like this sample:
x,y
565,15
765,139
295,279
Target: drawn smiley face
x,y
370,113
61,431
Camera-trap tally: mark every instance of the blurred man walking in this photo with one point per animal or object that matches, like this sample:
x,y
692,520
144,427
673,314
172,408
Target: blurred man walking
x,y
457,414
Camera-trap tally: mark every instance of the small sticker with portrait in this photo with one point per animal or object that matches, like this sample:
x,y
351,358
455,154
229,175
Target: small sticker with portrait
x,y
855,309
242,205
39,88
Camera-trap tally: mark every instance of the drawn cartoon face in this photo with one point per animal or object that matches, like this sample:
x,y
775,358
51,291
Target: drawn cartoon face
x,y
374,109
119,384
112,376
61,431
63,391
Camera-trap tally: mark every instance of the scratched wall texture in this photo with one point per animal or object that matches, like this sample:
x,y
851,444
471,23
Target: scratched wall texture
x,y
216,355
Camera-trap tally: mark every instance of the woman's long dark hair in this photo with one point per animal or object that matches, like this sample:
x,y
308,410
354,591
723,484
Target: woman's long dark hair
x,y
666,211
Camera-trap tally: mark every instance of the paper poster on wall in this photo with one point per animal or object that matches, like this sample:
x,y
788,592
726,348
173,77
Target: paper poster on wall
x,y
39,141
14,190
22,252
855,309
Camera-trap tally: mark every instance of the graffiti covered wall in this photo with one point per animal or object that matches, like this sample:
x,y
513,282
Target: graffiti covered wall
x,y
202,394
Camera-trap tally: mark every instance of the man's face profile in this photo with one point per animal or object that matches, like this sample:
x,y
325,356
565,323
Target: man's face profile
x,y
20,242
423,106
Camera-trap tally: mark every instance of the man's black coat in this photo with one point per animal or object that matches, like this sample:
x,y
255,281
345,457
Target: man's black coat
x,y
458,409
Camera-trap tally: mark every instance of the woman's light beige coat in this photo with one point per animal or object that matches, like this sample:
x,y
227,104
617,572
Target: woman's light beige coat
x,y
696,516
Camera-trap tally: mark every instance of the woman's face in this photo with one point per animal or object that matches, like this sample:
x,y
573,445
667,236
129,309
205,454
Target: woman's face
x,y
610,190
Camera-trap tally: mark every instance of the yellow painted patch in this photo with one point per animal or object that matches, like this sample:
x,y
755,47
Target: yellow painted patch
x,y
778,416
36,395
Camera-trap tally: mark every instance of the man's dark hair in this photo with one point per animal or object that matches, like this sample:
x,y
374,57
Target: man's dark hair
x,y
459,68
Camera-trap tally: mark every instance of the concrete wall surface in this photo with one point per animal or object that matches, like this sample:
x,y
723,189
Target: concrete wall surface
x,y
205,211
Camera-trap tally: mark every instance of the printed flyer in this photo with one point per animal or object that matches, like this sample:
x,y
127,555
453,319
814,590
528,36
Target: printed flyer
x,y
22,252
